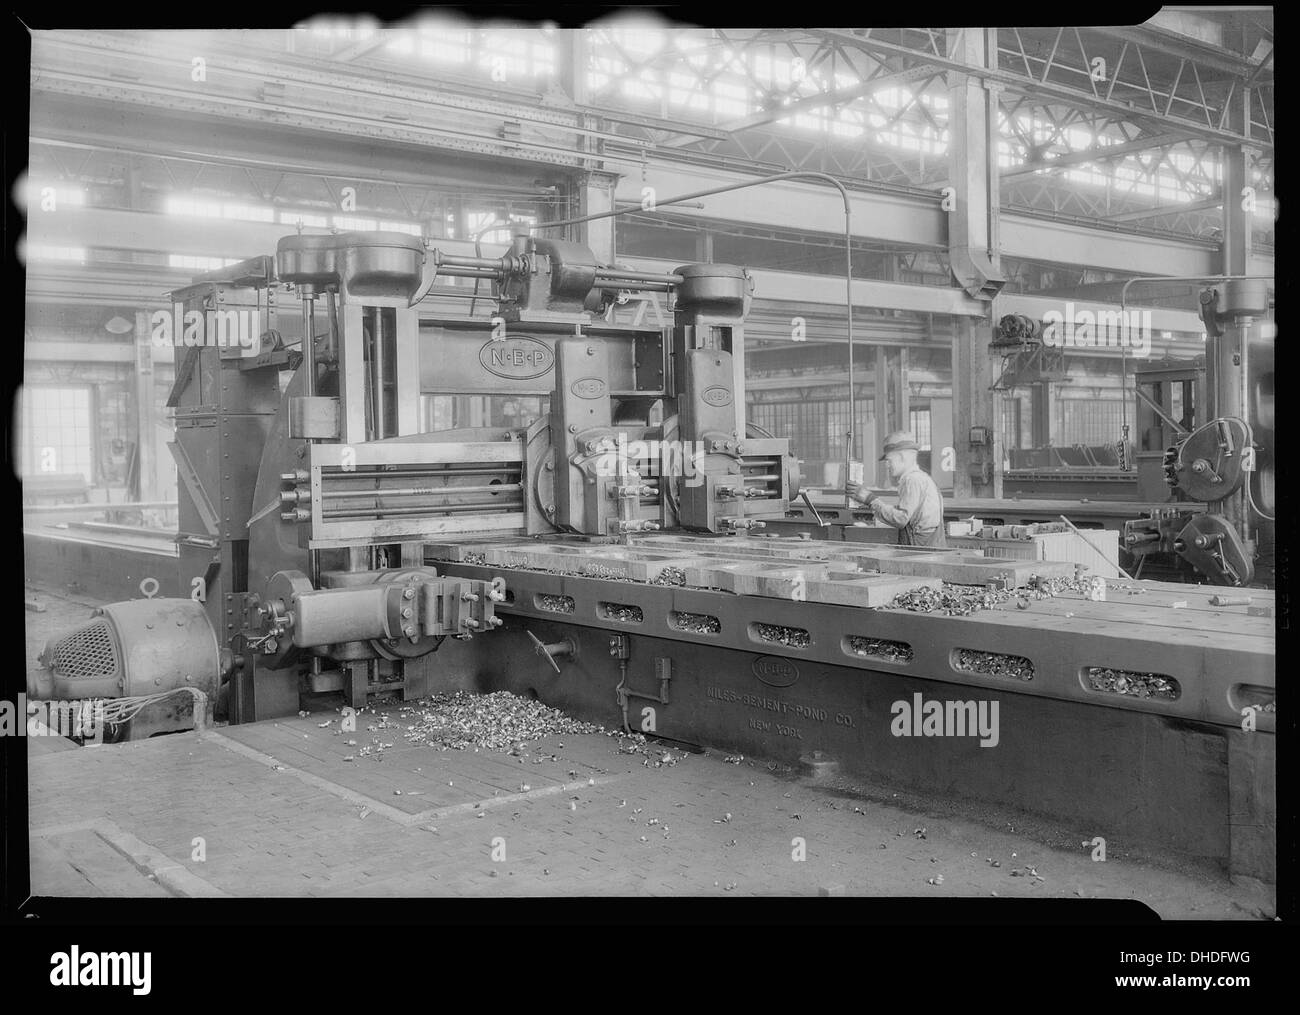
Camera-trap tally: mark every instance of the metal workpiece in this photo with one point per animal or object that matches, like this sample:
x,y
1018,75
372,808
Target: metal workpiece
x,y
1219,659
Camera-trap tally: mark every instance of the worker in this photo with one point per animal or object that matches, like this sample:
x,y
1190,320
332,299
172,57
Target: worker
x,y
919,513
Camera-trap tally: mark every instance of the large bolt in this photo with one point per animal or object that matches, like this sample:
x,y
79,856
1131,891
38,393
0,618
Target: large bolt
x,y
407,613
408,593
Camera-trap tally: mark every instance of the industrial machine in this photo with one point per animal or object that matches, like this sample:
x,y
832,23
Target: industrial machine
x,y
305,508
608,556
1221,454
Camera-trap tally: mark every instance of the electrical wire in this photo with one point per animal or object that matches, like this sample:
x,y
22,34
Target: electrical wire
x,y
116,711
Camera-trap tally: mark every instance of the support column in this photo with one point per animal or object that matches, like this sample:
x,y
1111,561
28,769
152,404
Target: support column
x,y
1237,220
1042,403
592,192
973,256
595,194
901,392
146,485
704,246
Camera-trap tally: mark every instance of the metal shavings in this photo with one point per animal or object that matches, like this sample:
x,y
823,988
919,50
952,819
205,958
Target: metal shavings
x,y
621,612
696,623
670,576
734,759
499,721
1133,684
954,600
995,664
793,637
555,604
880,648
475,558
963,600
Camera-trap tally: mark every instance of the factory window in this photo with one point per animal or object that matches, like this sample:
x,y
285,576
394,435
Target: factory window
x,y
480,223
293,218
401,227
1011,423
815,428
177,204
353,222
57,435
1088,421
48,197
198,263
42,252
918,421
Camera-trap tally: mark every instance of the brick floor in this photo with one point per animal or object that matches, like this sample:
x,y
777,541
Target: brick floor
x,y
279,813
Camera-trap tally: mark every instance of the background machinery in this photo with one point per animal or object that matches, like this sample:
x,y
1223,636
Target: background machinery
x,y
1217,446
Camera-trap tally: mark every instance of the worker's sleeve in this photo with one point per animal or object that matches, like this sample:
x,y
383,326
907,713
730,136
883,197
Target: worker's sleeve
x,y
910,498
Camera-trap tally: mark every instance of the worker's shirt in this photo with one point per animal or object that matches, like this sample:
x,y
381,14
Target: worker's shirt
x,y
919,513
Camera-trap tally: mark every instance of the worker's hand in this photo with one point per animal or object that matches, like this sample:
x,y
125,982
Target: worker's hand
x,y
859,493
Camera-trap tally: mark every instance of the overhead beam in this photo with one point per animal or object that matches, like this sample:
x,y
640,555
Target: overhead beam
x,y
835,98
1166,209
1044,90
897,220
1097,154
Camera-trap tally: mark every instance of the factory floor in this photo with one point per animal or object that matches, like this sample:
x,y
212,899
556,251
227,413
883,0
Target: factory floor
x,y
274,809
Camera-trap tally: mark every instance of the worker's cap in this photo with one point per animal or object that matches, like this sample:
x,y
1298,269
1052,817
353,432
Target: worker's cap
x,y
899,440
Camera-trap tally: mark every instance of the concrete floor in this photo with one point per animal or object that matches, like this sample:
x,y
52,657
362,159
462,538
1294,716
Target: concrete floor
x,y
272,809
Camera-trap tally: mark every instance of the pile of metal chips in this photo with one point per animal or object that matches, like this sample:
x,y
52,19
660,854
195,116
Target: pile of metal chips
x,y
670,576
963,600
499,721
556,604
881,648
794,637
995,664
626,614
954,600
697,623
652,755
1138,685
475,558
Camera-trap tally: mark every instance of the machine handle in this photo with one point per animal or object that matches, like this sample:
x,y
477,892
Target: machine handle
x,y
557,648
